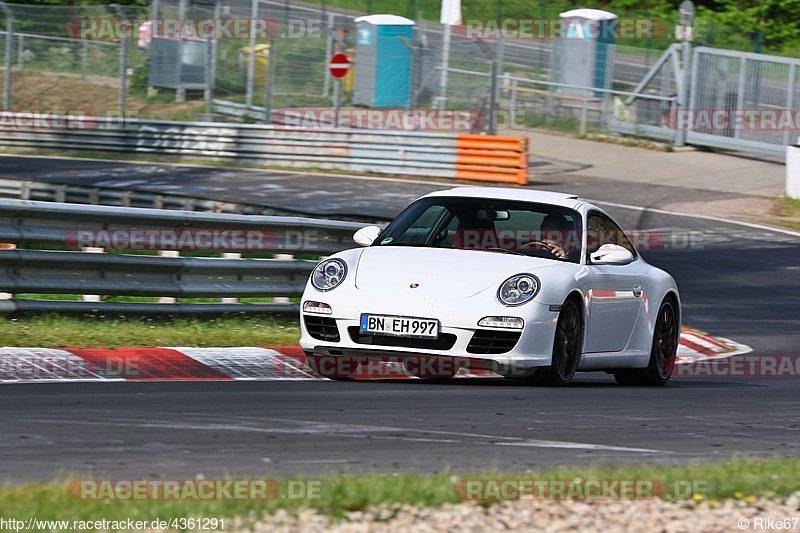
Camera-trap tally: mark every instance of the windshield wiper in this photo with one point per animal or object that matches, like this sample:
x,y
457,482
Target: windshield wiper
x,y
502,250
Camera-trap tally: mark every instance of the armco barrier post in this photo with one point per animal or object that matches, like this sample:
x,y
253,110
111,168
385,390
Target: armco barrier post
x,y
7,246
793,171
284,257
167,299
92,250
230,255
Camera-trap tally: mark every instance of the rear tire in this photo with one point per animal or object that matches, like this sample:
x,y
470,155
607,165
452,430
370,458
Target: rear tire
x,y
662,353
332,366
566,345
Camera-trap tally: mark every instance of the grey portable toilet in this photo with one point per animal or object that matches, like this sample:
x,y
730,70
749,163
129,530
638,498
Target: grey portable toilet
x,y
383,60
585,50
168,70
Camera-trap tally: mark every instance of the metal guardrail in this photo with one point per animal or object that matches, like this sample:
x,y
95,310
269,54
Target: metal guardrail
x,y
388,152
76,227
81,194
45,223
58,272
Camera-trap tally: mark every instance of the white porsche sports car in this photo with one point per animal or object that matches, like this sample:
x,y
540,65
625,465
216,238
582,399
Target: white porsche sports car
x,y
527,284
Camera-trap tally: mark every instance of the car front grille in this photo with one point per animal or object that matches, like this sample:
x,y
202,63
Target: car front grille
x,y
487,341
445,341
322,328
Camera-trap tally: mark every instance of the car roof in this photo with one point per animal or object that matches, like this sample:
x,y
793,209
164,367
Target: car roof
x,y
507,193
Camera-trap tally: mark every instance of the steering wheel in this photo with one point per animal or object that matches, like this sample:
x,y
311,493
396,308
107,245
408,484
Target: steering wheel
x,y
546,246
540,244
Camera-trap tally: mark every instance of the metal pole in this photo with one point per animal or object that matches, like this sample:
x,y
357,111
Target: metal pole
x,y
493,87
740,100
84,57
337,98
513,104
211,68
9,59
251,65
542,40
683,90
584,117
123,65
448,29
226,10
415,49
608,82
180,91
268,82
555,74
790,98
416,75
21,52
154,14
209,77
326,84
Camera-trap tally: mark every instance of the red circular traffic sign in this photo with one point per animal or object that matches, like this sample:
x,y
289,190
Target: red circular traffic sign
x,y
339,65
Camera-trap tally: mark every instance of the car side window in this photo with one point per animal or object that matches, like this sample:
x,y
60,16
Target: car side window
x,y
602,230
420,230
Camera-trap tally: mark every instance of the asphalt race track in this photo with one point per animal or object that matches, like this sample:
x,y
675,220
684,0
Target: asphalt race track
x,y
736,281
317,194
180,429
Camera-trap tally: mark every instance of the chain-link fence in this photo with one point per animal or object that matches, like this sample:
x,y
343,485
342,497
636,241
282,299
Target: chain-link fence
x,y
57,67
175,57
77,51
762,92
258,60
163,61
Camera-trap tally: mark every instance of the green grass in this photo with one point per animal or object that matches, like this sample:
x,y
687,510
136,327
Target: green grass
x,y
63,332
789,210
339,494
785,213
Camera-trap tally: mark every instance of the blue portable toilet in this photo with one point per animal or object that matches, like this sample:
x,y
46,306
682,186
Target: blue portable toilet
x,y
585,53
384,63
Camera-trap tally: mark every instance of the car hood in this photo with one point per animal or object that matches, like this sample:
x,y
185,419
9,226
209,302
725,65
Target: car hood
x,y
439,272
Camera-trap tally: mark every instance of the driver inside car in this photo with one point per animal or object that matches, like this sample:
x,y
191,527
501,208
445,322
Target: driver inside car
x,y
557,233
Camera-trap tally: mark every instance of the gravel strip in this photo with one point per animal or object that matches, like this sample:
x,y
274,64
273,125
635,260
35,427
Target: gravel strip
x,y
551,515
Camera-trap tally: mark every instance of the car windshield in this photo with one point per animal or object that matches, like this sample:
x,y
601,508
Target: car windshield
x,y
501,226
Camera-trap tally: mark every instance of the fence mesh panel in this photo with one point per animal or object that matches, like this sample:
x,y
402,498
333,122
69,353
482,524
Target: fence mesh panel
x,y
69,59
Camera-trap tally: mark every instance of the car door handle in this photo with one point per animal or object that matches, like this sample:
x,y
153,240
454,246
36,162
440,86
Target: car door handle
x,y
637,290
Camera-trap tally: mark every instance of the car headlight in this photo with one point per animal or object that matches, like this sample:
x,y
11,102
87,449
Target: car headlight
x,y
518,289
328,274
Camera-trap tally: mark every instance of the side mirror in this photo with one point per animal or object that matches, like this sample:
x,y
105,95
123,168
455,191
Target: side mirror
x,y
611,254
367,235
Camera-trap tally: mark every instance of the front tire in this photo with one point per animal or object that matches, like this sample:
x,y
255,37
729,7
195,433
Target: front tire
x,y
566,345
662,354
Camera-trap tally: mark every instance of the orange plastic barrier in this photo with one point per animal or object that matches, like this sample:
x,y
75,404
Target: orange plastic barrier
x,y
497,158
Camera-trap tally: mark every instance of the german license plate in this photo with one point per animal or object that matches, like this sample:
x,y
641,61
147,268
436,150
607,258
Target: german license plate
x,y
399,326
